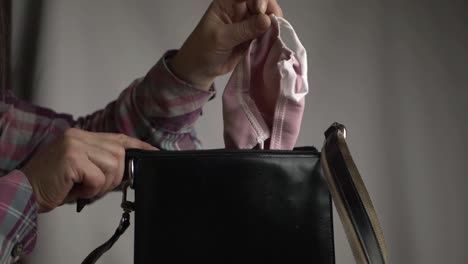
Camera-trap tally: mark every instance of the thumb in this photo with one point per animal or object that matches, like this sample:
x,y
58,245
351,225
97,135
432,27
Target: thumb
x,y
247,29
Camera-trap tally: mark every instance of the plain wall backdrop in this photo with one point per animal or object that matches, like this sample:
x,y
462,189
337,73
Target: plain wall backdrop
x,y
394,72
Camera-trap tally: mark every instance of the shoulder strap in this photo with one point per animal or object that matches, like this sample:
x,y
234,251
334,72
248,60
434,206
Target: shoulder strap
x,y
352,200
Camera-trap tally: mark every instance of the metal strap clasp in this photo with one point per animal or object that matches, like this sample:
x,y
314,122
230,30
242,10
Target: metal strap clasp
x,y
126,205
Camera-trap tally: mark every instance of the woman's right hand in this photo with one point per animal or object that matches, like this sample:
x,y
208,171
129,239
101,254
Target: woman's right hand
x,y
219,41
79,164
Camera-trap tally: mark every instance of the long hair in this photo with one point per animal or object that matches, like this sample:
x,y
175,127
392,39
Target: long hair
x,y
5,45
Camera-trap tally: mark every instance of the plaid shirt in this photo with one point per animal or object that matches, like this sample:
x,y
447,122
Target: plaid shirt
x,y
159,109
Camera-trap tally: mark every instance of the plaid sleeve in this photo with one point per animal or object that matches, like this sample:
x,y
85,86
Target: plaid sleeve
x,y
18,213
160,109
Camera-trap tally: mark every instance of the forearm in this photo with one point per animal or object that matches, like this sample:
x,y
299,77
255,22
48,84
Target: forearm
x,y
160,109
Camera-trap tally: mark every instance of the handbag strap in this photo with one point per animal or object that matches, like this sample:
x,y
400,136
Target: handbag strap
x,y
99,251
351,199
124,223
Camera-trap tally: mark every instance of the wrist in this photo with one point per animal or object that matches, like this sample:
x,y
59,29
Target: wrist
x,y
182,67
35,190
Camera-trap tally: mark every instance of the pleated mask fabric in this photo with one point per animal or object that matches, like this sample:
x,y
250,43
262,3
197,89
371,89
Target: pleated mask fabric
x,y
263,101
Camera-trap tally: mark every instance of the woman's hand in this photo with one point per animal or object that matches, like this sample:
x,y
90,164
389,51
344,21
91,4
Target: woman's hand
x,y
79,164
218,42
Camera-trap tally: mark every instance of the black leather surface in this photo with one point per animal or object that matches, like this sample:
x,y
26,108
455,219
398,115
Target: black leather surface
x,y
222,206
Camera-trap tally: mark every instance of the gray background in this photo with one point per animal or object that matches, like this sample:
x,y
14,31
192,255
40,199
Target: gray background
x,y
393,71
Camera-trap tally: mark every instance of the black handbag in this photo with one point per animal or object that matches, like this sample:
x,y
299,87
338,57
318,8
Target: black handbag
x,y
246,206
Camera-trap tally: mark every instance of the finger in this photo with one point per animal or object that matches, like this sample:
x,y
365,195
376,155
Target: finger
x,y
235,11
122,139
264,7
93,180
240,12
114,144
247,29
129,142
107,153
237,53
274,8
257,6
111,165
118,151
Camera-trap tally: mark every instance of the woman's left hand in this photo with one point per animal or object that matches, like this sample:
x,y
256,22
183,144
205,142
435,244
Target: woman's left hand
x,y
218,42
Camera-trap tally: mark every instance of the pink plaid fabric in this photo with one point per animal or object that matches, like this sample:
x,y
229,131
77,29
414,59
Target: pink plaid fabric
x,y
159,109
263,102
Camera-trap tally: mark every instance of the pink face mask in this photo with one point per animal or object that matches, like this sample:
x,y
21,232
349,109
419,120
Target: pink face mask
x,y
263,101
